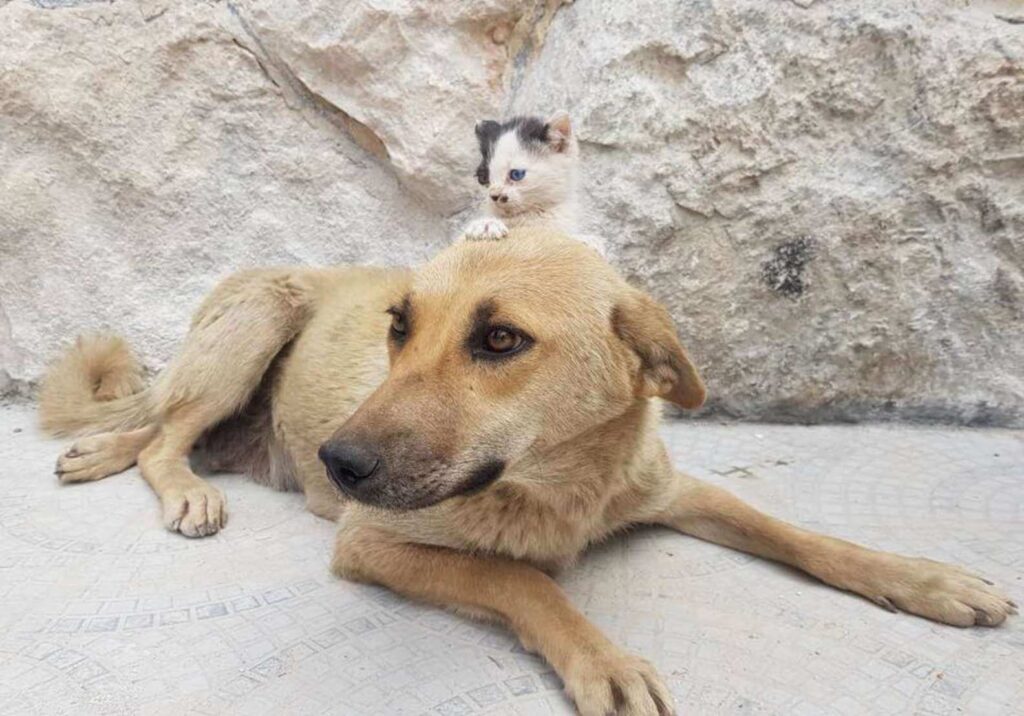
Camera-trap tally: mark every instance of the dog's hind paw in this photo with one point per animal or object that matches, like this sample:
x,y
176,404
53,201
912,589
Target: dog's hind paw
x,y
97,456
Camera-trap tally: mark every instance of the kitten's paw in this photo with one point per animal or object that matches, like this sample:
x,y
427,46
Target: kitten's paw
x,y
485,230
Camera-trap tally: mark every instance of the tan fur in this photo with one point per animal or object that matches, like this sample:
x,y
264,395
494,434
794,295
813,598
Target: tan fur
x,y
95,387
298,359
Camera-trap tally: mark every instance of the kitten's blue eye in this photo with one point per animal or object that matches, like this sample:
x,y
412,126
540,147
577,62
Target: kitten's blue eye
x,y
516,174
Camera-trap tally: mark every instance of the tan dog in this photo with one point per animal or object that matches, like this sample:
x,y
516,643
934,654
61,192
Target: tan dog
x,y
516,425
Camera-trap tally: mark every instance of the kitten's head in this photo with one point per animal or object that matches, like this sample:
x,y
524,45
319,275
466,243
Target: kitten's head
x,y
527,164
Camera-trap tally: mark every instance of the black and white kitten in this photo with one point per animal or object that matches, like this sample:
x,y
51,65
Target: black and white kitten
x,y
528,166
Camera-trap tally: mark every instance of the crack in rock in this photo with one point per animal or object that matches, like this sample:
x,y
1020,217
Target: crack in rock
x,y
526,41
302,95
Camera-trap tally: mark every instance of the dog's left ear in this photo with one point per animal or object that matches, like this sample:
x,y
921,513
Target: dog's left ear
x,y
665,369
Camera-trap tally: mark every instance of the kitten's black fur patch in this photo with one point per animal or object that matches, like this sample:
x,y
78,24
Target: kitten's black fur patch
x,y
531,131
487,133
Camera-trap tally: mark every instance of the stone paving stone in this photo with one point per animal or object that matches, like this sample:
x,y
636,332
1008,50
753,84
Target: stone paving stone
x,y
102,606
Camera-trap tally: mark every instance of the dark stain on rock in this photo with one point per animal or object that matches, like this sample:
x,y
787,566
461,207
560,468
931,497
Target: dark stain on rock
x,y
990,218
783,272
1007,291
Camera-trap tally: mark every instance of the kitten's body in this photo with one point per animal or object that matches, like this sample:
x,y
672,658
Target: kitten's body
x,y
546,153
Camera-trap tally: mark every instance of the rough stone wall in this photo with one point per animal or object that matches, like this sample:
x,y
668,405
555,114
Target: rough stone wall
x,y
828,195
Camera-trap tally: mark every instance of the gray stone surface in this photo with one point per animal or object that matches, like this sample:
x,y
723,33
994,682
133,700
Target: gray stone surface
x,y
828,195
104,612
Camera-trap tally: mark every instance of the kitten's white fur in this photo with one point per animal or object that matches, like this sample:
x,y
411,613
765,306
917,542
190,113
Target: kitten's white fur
x,y
546,196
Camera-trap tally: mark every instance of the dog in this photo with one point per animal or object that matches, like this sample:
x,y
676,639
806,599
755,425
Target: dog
x,y
471,425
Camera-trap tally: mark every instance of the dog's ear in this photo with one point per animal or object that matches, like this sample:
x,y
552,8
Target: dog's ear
x,y
665,369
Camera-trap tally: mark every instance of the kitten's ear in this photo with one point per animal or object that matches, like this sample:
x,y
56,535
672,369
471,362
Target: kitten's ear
x,y
559,131
487,130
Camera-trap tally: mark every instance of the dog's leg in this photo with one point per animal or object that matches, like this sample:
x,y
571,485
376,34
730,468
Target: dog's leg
x,y
599,677
920,586
98,456
237,332
190,504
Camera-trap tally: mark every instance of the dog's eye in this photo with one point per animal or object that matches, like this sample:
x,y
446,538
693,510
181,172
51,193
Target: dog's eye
x,y
492,342
502,340
399,329
516,174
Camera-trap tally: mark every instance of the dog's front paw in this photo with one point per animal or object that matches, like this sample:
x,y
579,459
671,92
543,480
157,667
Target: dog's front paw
x,y
613,682
198,511
937,591
485,230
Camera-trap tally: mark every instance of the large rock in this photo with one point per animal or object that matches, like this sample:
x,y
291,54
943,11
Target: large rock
x,y
145,152
828,195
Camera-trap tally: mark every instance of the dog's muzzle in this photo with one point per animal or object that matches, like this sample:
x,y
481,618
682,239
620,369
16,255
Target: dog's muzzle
x,y
360,472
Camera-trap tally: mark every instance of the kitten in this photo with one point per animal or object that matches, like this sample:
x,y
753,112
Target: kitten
x,y
529,168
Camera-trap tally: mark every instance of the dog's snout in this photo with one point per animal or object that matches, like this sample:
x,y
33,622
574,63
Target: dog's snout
x,y
348,464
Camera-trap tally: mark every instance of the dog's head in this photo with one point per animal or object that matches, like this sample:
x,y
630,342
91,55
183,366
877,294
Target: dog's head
x,y
500,348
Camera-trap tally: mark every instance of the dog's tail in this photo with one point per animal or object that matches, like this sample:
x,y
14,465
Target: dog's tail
x,y
95,387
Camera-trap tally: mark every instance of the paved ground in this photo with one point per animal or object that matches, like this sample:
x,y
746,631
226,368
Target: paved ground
x,y
102,611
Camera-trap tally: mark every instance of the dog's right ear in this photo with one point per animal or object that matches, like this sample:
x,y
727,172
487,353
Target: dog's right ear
x,y
665,369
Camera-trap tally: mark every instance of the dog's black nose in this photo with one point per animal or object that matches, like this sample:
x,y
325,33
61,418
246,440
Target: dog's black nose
x,y
347,464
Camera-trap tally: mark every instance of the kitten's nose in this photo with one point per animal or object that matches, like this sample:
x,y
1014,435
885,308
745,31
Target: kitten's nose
x,y
497,197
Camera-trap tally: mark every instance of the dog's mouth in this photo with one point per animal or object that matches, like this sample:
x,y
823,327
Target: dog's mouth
x,y
398,493
481,477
